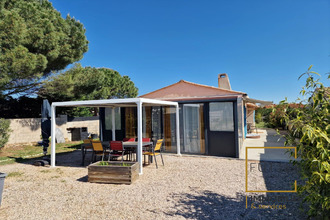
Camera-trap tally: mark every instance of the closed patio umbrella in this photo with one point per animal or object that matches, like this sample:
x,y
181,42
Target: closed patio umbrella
x,y
45,124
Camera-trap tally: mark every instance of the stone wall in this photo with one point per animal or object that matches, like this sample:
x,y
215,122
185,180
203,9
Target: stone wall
x,y
28,130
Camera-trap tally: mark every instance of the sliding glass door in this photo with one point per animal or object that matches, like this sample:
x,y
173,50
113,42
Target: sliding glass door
x,y
193,128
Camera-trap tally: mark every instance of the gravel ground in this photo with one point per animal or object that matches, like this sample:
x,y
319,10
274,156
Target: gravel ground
x,y
187,187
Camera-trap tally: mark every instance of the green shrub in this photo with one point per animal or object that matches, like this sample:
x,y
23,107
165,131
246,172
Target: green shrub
x,y
4,131
265,112
282,113
309,131
277,116
258,117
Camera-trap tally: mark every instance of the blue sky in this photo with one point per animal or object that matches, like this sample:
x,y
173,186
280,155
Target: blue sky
x,y
262,45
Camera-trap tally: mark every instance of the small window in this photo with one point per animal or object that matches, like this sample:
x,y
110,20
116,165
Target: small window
x,y
221,116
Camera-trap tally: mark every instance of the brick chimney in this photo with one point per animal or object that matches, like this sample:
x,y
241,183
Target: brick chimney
x,y
223,81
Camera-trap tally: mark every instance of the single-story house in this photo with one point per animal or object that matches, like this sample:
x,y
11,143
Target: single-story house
x,y
213,120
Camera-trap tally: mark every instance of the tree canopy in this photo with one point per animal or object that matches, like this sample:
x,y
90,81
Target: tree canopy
x,y
88,83
34,41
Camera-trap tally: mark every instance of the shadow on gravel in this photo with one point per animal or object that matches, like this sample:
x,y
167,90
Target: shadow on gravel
x,y
210,205
83,179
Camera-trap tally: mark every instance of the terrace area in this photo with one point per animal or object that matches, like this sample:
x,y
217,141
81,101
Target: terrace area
x,y
187,187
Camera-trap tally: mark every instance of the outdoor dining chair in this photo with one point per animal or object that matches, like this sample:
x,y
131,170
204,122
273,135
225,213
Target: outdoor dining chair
x,y
129,139
146,147
97,150
84,147
117,150
87,144
130,150
145,139
157,150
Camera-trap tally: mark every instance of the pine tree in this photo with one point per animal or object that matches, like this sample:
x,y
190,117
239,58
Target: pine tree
x,y
34,41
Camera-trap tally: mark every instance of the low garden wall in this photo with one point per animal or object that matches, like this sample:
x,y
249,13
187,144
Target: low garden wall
x,y
28,130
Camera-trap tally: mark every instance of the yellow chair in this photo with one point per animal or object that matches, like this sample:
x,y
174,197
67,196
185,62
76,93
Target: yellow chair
x,y
86,145
97,150
157,150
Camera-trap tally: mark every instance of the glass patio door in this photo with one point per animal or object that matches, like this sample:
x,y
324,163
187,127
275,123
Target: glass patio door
x,y
193,128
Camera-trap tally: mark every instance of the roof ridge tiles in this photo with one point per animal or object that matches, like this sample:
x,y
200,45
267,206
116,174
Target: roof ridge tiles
x,y
196,84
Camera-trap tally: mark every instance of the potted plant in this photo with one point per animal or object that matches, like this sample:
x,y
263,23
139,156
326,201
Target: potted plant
x,y
113,172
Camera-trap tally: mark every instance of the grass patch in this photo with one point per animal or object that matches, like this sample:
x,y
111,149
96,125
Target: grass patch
x,y
15,174
59,171
55,177
105,163
44,171
9,155
262,125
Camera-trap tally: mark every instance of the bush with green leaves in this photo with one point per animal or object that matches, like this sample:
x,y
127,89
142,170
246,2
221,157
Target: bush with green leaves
x,y
264,112
277,116
282,113
309,131
4,131
258,117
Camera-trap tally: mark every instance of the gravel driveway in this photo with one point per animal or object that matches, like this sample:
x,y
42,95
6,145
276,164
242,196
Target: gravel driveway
x,y
188,187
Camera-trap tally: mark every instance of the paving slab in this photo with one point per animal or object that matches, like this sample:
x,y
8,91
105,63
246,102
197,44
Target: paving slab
x,y
268,138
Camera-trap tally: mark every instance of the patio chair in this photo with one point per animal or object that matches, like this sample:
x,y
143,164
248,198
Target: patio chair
x,y
97,150
87,144
130,150
84,147
146,148
117,150
129,139
157,150
251,127
145,139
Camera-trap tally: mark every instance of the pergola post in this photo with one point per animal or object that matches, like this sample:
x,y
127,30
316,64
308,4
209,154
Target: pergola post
x,y
113,124
139,130
53,131
177,130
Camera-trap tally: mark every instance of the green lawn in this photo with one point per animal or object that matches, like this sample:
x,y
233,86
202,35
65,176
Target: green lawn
x,y
10,155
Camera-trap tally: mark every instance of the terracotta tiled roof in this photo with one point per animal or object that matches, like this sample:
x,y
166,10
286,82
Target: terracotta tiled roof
x,y
184,89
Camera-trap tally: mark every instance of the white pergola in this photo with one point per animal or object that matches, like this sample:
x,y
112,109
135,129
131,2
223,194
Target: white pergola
x,y
112,103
